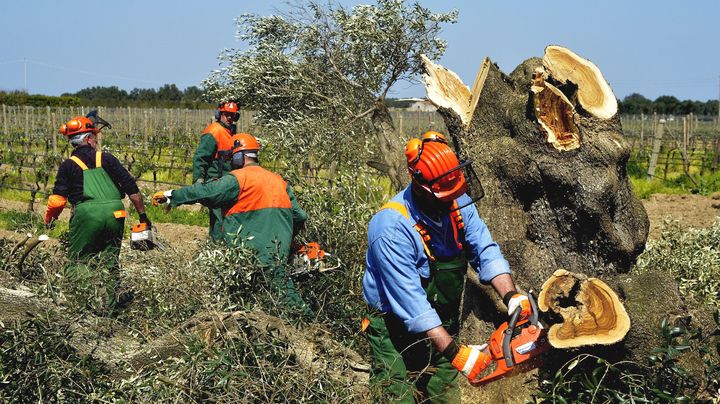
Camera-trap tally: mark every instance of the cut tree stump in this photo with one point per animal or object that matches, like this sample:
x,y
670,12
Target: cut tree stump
x,y
593,92
592,312
547,145
548,148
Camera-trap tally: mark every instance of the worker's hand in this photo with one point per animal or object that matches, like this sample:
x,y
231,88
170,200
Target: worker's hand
x,y
471,360
515,300
144,219
50,225
161,197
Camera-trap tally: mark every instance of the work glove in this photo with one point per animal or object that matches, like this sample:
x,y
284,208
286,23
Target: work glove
x,y
144,219
513,300
471,360
161,197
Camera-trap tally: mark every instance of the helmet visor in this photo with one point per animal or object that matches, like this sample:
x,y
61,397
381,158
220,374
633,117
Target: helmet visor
x,y
451,184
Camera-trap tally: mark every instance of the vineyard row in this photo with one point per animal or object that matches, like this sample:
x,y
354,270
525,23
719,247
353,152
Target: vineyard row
x,y
156,145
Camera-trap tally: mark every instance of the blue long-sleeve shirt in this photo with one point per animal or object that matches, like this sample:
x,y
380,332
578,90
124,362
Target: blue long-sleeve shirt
x,y
396,260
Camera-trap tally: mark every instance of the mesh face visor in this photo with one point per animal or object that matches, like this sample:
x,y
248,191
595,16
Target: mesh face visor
x,y
97,121
465,170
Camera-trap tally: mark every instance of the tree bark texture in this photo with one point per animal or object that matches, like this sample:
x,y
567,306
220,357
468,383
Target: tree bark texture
x,y
391,147
552,163
549,208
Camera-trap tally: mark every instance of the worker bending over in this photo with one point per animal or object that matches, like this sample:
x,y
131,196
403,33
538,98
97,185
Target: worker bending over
x,y
419,245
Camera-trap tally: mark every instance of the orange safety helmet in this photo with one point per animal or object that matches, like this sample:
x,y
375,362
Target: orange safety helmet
x,y
434,167
244,142
78,125
228,107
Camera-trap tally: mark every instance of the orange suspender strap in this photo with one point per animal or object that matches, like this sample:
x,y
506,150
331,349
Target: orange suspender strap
x,y
457,224
79,162
424,236
98,159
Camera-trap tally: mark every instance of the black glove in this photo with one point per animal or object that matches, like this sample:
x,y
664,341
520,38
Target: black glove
x,y
144,219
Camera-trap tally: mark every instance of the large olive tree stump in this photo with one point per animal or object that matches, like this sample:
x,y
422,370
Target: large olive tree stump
x,y
548,147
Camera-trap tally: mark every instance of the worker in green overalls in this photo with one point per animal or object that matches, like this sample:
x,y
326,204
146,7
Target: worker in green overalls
x,y
419,245
212,156
258,209
94,182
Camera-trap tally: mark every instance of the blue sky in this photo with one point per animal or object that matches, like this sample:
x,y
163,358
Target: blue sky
x,y
650,47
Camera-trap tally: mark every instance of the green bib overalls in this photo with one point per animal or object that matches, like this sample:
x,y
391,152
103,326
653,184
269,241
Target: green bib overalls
x,y
403,362
96,227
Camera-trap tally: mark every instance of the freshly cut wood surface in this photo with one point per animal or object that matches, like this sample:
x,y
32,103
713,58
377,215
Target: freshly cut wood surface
x,y
446,90
554,112
594,93
592,313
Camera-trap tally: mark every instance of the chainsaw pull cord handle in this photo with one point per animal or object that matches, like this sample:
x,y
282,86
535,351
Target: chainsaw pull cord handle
x,y
507,338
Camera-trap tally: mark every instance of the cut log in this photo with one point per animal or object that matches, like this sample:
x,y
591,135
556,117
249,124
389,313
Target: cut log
x,y
313,349
592,312
593,92
109,342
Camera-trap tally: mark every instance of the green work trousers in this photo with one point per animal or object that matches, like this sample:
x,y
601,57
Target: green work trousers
x,y
216,224
95,237
405,366
284,286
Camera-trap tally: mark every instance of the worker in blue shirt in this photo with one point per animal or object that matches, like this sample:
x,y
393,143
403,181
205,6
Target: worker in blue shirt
x,y
419,245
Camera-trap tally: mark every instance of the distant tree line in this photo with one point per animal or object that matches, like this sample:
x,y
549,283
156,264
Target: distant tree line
x,y
38,100
666,105
170,96
167,96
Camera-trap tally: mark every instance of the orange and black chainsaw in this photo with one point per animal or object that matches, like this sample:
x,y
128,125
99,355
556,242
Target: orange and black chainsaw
x,y
516,345
311,258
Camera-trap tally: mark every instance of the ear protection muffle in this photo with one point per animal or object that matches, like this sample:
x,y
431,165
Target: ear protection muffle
x,y
238,160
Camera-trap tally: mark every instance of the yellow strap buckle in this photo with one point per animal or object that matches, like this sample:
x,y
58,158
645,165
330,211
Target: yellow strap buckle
x,y
119,214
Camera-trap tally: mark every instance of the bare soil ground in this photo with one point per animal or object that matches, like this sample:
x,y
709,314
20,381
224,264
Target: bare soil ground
x,y
183,238
687,210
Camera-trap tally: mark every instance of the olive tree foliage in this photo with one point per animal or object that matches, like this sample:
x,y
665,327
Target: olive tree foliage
x,y
317,77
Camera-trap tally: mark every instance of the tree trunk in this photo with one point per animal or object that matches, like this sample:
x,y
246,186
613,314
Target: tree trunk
x,y
549,150
391,147
557,192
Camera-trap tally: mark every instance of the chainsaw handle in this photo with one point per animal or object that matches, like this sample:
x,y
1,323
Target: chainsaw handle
x,y
533,306
507,338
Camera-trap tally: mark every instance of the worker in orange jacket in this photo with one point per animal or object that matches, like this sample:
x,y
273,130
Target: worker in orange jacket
x,y
258,211
212,157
